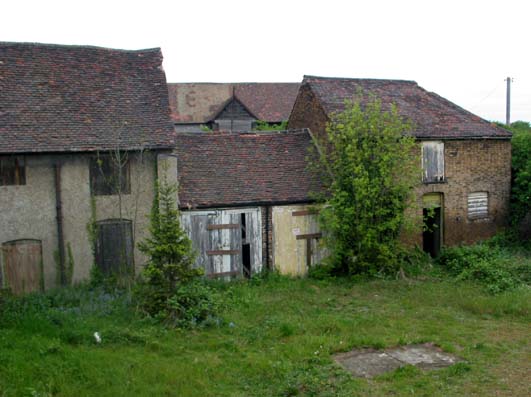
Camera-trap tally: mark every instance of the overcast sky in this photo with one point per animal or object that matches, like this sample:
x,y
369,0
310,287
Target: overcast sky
x,y
462,50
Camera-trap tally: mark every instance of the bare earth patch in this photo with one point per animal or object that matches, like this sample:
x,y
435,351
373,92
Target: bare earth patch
x,y
366,363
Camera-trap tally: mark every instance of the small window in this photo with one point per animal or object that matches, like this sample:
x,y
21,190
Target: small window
x,y
12,170
109,175
433,162
478,205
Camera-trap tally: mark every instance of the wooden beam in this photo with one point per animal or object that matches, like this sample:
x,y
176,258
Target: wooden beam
x,y
223,226
309,236
223,252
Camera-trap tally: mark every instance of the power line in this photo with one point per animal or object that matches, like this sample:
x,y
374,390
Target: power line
x,y
488,95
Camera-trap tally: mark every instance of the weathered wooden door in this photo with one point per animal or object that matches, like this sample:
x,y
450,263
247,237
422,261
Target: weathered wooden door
x,y
22,268
114,246
228,242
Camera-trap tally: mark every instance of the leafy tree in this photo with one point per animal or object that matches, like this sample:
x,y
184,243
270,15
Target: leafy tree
x,y
521,165
371,172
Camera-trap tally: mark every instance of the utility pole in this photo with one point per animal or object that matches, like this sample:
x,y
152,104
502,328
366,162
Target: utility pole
x,y
508,104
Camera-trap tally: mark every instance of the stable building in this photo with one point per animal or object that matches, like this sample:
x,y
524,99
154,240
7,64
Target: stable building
x,y
464,189
246,201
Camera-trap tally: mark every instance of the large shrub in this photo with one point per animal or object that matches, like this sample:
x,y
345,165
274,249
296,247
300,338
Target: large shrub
x,y
521,164
371,170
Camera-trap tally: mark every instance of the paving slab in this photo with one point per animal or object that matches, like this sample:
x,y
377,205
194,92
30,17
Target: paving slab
x,y
366,363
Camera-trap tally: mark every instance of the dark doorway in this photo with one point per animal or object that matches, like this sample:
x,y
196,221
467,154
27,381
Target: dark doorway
x,y
246,248
432,234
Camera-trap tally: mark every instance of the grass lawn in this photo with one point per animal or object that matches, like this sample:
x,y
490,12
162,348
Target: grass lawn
x,y
276,339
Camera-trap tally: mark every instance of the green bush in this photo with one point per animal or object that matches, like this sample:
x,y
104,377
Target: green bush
x,y
485,263
363,212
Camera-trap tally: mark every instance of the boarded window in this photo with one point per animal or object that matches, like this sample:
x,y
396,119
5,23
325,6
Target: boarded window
x,y
109,175
12,170
22,270
478,205
433,162
114,246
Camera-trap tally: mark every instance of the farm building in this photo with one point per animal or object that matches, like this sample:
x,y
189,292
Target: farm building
x,y
82,130
196,107
466,161
246,201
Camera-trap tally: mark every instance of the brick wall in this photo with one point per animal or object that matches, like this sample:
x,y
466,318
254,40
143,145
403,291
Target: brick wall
x,y
307,112
473,166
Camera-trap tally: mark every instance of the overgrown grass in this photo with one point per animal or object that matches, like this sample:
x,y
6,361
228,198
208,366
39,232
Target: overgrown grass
x,y
276,338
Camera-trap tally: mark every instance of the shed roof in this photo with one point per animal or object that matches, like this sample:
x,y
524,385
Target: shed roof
x,y
227,169
58,98
202,102
432,116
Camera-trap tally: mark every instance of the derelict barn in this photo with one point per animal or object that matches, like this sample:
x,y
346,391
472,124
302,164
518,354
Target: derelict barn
x,y
246,201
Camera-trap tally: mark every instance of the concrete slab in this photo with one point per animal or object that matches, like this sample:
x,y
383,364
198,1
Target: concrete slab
x,y
366,363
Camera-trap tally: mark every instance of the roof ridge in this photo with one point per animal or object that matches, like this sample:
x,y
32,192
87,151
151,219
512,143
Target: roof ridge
x,y
73,46
240,133
357,79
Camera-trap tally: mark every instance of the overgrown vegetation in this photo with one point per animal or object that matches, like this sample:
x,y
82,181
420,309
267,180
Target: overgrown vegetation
x,y
498,264
260,125
277,339
371,170
521,164
170,288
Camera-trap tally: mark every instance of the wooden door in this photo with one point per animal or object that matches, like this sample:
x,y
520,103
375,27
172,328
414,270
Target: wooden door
x,y
114,246
23,266
225,239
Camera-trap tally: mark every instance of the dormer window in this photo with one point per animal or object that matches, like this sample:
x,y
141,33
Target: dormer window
x,y
12,170
432,162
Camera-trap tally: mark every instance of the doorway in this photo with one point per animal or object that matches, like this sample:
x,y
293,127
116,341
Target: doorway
x,y
432,214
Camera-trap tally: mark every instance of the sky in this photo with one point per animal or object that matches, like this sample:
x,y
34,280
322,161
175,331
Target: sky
x,y
462,50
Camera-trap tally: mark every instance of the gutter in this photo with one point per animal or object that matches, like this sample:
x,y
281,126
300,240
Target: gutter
x,y
59,219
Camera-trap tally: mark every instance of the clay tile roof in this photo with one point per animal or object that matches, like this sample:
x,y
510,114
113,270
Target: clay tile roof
x,y
56,98
225,169
202,102
432,116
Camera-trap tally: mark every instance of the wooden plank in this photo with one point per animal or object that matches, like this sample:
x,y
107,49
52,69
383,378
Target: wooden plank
x,y
223,274
223,252
22,265
309,236
304,212
223,226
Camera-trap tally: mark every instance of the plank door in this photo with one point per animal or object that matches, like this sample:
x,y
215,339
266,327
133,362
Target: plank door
x,y
114,246
224,244
23,265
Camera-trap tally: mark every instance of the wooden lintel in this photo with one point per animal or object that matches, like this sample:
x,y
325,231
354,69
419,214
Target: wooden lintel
x,y
309,236
304,212
223,274
223,226
223,252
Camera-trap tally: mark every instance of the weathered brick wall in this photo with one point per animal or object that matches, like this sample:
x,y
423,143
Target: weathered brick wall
x,y
472,166
307,113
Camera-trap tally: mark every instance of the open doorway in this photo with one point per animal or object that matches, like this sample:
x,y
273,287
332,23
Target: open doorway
x,y
432,213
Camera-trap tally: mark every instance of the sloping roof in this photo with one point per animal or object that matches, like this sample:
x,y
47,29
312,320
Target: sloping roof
x,y
56,98
226,169
432,115
202,102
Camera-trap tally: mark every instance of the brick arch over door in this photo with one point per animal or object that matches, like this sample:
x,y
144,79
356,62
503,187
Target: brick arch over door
x,y
22,265
114,246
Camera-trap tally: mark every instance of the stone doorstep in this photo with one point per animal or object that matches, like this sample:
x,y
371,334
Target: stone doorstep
x,y
366,363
